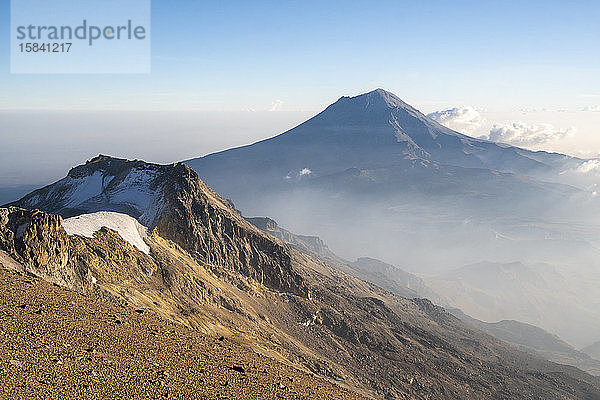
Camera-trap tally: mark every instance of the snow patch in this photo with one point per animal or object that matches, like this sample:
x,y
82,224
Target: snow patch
x,y
128,227
85,188
136,191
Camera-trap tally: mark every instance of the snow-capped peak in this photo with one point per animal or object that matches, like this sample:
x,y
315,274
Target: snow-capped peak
x,y
104,184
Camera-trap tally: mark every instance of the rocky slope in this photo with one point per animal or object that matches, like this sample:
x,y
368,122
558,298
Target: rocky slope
x,y
180,207
304,243
526,337
214,272
55,343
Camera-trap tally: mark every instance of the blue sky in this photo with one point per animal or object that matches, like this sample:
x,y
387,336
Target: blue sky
x,y
535,63
240,54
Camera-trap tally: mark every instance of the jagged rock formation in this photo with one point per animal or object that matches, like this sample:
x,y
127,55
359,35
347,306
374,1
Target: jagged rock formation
x,y
37,241
304,243
212,271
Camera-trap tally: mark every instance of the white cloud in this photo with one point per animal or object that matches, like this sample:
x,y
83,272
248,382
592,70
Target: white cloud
x,y
520,133
542,110
461,119
301,174
589,166
591,108
276,105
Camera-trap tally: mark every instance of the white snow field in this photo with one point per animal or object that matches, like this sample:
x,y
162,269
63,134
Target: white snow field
x,y
95,191
128,227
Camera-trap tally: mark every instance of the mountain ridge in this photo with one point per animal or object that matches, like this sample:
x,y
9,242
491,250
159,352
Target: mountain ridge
x,y
212,271
172,200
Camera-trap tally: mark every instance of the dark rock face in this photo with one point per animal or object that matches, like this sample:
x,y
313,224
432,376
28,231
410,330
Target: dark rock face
x,y
307,244
202,222
386,276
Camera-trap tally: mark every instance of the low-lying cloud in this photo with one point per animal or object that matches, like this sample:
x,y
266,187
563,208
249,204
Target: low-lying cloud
x,y
304,172
591,108
520,133
276,105
461,119
590,166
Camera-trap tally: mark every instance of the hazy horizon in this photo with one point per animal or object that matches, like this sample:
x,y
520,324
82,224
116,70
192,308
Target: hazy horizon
x,y
60,139
485,69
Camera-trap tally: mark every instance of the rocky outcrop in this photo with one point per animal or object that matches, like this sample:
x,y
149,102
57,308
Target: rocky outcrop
x,y
39,245
37,241
307,244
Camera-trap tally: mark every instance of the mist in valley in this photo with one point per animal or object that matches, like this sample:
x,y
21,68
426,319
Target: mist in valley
x,y
531,259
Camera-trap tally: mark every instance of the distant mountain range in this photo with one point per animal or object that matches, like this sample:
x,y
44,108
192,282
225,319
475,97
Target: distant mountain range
x,y
593,350
481,282
368,269
558,299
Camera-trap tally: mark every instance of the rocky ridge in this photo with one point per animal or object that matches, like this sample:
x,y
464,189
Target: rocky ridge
x,y
212,271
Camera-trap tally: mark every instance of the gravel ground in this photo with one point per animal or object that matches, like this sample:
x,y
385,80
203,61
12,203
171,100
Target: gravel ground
x,y
58,344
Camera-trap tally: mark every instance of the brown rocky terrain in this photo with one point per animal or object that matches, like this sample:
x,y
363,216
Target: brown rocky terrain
x,y
212,271
55,343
